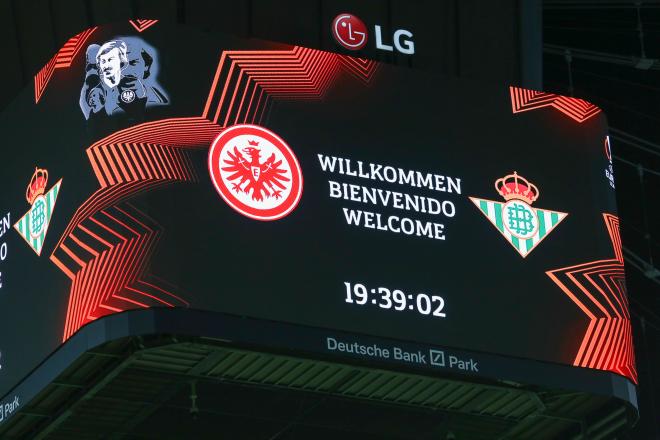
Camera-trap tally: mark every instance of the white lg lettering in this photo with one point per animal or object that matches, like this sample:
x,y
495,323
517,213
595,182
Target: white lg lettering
x,y
402,40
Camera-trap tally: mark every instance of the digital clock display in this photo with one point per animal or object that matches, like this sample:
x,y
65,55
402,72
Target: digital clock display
x,y
395,299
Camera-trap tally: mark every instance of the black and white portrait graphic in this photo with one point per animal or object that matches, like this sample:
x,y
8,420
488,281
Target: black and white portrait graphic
x,y
120,77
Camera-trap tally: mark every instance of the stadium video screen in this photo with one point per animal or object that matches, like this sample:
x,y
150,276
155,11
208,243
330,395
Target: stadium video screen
x,y
157,166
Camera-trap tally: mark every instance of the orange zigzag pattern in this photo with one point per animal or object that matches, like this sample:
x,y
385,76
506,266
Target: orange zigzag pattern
x,y
598,289
361,68
523,100
142,25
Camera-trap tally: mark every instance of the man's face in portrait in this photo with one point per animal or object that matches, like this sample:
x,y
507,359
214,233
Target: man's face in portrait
x,y
136,66
95,99
110,67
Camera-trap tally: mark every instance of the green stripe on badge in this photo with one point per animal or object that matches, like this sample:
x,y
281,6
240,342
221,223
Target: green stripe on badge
x,y
47,213
554,217
484,206
529,243
541,216
515,242
498,216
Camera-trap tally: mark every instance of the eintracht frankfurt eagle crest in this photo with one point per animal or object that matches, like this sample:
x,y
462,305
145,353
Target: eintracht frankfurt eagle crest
x,y
255,172
523,227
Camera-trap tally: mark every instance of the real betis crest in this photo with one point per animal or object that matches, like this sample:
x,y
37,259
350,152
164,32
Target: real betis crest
x,y
523,227
33,226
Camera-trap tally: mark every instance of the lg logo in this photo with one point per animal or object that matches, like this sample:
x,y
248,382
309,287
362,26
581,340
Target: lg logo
x,y
351,33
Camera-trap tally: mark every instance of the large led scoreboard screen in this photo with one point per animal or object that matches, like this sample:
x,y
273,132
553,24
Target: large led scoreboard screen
x,y
161,167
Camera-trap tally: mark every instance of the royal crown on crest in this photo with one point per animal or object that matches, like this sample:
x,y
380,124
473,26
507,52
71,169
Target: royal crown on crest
x,y
37,185
253,143
517,187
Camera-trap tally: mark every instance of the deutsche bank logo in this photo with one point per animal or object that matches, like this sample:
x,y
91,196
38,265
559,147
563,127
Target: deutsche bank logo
x,y
437,357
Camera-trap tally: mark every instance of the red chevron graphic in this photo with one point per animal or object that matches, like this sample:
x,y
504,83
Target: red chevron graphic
x,y
523,100
250,79
138,159
142,25
598,289
361,68
105,248
119,241
108,276
62,59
